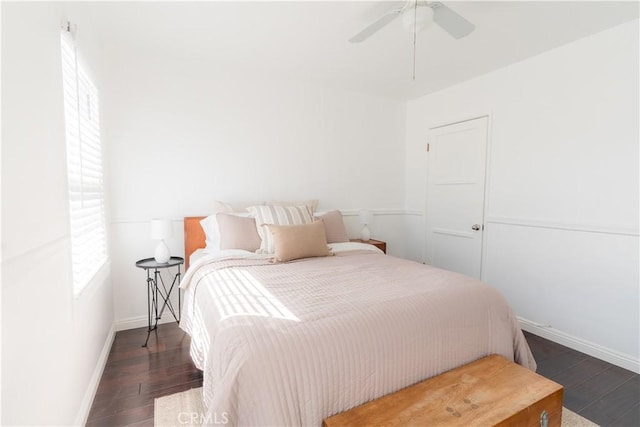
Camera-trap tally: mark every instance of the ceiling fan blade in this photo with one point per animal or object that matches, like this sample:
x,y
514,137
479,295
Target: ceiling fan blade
x,y
371,29
450,21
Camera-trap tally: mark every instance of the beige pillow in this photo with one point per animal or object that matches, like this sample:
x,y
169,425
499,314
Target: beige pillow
x,y
238,232
334,227
278,215
211,231
299,241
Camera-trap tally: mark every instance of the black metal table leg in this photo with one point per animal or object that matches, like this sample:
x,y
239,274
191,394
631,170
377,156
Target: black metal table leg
x,y
157,291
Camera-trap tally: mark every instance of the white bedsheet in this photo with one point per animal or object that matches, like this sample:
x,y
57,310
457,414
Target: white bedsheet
x,y
196,255
335,248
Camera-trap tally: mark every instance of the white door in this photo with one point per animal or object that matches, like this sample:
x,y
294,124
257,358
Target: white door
x,y
455,196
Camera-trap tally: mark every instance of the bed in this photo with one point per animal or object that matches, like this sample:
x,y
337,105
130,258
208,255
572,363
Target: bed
x,y
292,343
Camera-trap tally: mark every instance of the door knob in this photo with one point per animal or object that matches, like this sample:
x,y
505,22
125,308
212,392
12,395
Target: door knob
x,y
475,227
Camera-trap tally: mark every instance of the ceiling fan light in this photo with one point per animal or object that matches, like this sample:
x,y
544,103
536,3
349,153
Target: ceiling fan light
x,y
422,16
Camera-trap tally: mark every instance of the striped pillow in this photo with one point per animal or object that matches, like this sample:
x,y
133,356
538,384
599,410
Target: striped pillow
x,y
278,215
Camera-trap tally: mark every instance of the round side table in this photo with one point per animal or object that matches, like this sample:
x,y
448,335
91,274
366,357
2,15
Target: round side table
x,y
157,292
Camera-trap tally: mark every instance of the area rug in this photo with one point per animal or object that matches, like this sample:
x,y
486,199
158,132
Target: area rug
x,y
185,409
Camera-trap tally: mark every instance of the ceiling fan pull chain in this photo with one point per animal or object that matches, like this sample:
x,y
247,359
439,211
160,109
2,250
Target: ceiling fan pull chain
x,y
415,22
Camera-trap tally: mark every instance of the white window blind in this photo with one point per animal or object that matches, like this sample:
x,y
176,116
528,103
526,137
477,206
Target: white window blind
x,y
84,168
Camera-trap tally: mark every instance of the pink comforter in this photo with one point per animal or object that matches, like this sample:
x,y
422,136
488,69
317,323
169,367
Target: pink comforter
x,y
293,343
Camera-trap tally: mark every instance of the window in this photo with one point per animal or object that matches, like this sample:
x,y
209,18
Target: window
x,y
84,169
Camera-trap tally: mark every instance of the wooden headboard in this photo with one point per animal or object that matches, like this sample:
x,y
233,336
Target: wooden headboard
x,y
194,237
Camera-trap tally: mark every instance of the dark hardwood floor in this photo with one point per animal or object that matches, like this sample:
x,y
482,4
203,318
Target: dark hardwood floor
x,y
605,394
134,376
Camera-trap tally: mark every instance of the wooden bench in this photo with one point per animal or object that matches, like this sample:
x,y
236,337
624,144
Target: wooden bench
x,y
488,392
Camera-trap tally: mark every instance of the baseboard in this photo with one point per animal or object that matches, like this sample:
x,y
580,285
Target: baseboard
x,y
614,357
85,407
141,322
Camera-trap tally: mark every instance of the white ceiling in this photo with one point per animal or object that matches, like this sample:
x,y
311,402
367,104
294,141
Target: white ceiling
x,y
308,40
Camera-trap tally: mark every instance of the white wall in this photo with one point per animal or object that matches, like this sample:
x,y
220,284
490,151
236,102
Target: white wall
x,y
181,135
52,343
562,216
562,235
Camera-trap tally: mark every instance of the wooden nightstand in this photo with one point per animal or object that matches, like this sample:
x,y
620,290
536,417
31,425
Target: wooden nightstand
x,y
377,243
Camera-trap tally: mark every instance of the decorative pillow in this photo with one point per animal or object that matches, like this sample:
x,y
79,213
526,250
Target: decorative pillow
x,y
241,207
298,241
278,215
334,228
312,204
237,232
212,232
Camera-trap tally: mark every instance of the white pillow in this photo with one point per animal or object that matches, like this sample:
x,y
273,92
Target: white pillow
x,y
212,231
278,215
212,235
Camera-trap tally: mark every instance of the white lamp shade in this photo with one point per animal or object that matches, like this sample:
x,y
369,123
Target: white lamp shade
x,y
422,17
366,216
161,229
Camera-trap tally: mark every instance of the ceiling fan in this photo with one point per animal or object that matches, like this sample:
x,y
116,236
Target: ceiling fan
x,y
435,11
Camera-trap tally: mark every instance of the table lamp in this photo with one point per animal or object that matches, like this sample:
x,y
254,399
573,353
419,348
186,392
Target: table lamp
x,y
160,230
365,219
